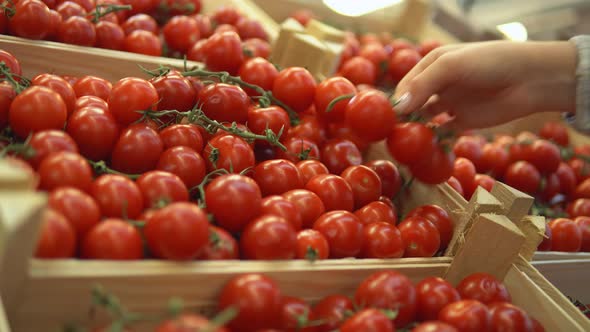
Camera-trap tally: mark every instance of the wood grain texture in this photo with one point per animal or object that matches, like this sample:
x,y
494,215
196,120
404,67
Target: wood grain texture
x,y
533,228
515,203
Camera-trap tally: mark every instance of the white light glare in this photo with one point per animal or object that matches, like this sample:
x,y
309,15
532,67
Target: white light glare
x,y
358,7
515,31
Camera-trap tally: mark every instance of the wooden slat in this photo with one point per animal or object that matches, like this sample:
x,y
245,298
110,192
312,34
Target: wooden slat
x,y
533,228
570,276
515,204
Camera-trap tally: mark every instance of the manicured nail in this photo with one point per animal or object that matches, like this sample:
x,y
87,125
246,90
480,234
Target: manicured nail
x,y
402,103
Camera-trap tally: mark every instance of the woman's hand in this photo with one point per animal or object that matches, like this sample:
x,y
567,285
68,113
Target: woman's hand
x,y
486,84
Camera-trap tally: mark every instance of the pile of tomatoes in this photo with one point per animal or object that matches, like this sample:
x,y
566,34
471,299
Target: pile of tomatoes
x,y
383,302
542,165
119,173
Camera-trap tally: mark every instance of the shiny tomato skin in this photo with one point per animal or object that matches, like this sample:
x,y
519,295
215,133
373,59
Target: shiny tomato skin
x,y
389,290
57,237
566,235
434,326
327,91
389,175
130,95
582,189
376,53
268,237
250,28
331,311
31,20
35,109
279,206
402,61
140,22
308,203
295,86
178,231
138,149
273,118
117,196
344,233
223,52
368,320
143,42
439,217
508,317
494,159
584,226
299,149
545,244
334,191
59,85
567,179
410,142
456,185
185,162
433,294
181,32
257,299
93,86
420,236
221,245
11,62
484,288
556,132
365,184
182,135
277,176
188,322
226,15
159,187
95,132
77,30
382,240
467,315
464,171
436,168
579,207
312,245
46,142
234,200
310,168
260,72
224,102
109,35
294,312
485,181
523,176
370,115
113,239
359,70
376,211
63,168
545,156
79,208
338,154
7,94
470,148
234,154
175,93
256,48
309,127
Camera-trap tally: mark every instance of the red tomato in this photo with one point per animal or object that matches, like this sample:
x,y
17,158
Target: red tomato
x,y
566,235
376,53
402,61
184,7
188,322
567,179
365,184
338,154
579,207
281,207
181,32
226,15
401,44
309,127
389,290
175,92
523,176
434,326
113,239
159,187
464,171
581,169
221,245
508,317
310,168
130,95
382,240
584,226
256,48
182,135
95,131
273,118
299,149
93,86
224,102
277,176
57,238
303,16
117,196
46,142
143,42
141,6
77,30
376,212
268,237
234,200
59,85
537,327
138,149
334,191
439,217
223,52
545,245
485,181
582,189
79,208
388,174
31,20
309,205
433,294
311,245
7,94
436,168
484,288
370,115
359,70
258,71
494,159
63,168
467,316
35,109
327,91
420,236
205,25
344,233
368,320
410,142
109,35
11,62
250,28
184,162
545,156
470,148
295,86
456,185
556,132
295,315
140,22
257,299
178,231
232,154
331,311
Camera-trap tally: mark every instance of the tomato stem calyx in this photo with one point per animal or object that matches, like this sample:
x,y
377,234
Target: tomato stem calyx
x,y
100,167
334,101
105,9
10,77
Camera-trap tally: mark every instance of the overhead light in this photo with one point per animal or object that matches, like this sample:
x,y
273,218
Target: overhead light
x,y
515,31
358,8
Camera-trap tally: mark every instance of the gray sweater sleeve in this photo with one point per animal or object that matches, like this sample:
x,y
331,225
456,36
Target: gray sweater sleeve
x,y
582,117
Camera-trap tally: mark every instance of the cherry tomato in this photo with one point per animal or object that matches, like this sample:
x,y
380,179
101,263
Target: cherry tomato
x,y
258,71
175,92
402,61
485,181
388,174
268,237
117,196
295,86
545,156
257,299
545,245
65,168
309,127
143,42
234,200
331,311
77,30
433,294
339,154
141,6
138,149
370,115
579,207
439,217
140,22
231,153
7,94
456,185
95,131
467,316
401,44
221,245
188,322
113,239
565,235
79,208
470,148
273,118
410,142
368,320
181,32
327,91
434,326
421,237
344,233
159,187
484,288
494,159
389,290
226,15
277,176
299,149
223,52
537,327
365,184
205,25
224,102
334,191
35,109
376,53
309,205
382,240
523,176
281,207
130,95
295,315
57,237
185,162
11,62
464,171
436,168
508,317
556,132
376,211
567,179
359,70
312,245
93,86
31,20
59,85
303,16
310,168
584,226
182,135
109,35
249,28
184,7
46,142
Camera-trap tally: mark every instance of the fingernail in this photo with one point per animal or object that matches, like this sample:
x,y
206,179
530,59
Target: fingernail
x,y
402,103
